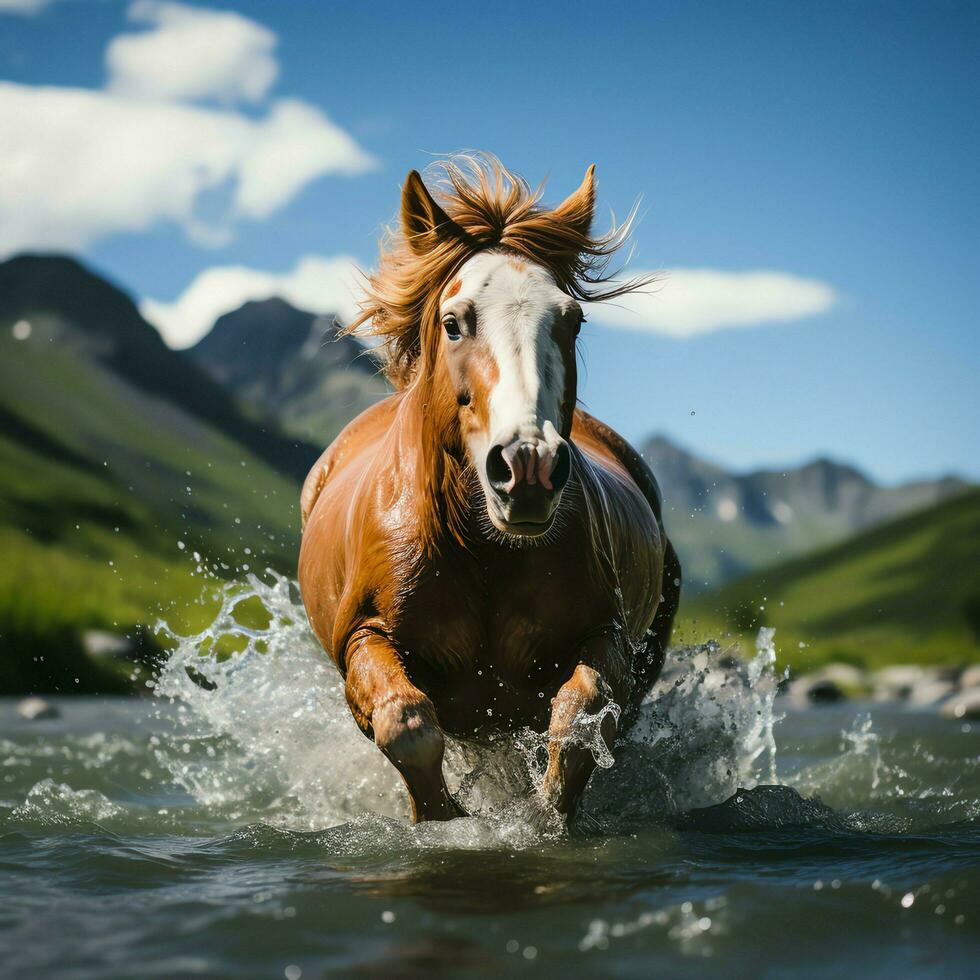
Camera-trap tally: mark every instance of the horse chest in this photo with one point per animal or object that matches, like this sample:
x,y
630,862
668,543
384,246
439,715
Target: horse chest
x,y
516,619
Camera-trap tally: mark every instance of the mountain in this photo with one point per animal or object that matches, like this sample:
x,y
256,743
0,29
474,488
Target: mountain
x,y
77,310
725,524
290,368
904,592
120,459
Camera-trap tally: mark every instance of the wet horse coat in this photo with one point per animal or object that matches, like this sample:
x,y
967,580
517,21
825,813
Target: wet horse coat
x,y
479,555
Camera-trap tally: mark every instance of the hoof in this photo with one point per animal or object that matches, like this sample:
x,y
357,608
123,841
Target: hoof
x,y
443,807
556,796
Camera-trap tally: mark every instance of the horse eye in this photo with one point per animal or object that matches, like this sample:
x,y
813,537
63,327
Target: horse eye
x,y
451,325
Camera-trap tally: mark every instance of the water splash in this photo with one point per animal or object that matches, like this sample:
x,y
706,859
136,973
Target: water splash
x,y
587,731
862,741
57,804
260,729
263,732
707,726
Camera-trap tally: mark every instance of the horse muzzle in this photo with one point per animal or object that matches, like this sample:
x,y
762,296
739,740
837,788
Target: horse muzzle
x,y
526,478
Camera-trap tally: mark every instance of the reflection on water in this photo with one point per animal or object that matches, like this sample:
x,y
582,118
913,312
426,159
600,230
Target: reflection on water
x,y
239,824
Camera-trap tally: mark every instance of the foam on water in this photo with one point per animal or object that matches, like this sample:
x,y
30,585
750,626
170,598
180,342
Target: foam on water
x,y
264,734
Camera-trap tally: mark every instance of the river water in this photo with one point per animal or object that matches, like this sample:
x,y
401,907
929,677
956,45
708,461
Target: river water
x,y
237,825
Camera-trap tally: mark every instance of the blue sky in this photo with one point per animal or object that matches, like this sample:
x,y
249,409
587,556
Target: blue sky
x,y
833,144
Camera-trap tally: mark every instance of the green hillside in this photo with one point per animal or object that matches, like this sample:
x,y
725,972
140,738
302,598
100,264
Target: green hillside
x,y
109,486
905,592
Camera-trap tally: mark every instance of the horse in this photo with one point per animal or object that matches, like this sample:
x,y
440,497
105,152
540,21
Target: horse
x,y
480,555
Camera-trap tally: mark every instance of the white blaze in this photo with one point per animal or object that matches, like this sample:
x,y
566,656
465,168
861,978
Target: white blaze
x,y
516,304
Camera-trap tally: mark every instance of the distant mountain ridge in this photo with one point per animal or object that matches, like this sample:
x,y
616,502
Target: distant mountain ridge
x,y
291,368
82,310
726,523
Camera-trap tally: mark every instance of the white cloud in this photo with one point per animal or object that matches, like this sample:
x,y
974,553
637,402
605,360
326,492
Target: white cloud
x,y
192,53
702,301
294,145
317,284
77,165
26,8
687,302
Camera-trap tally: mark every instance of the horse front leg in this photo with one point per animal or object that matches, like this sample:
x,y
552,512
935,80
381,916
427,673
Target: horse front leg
x,y
402,721
570,764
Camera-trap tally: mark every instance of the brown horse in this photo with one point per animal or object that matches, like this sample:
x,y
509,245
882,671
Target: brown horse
x,y
479,554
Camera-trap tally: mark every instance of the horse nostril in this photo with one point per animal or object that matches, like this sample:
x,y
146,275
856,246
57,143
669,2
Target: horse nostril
x,y
562,469
498,472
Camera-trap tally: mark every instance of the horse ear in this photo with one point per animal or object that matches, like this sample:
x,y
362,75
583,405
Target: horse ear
x,y
577,209
422,217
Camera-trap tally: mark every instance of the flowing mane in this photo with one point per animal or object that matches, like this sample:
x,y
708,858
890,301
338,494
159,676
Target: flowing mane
x,y
487,207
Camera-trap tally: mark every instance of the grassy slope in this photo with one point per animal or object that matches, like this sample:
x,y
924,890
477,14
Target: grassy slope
x,y
903,592
100,483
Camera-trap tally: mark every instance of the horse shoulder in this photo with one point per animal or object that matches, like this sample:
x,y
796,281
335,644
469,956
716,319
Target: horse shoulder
x,y
356,438
354,562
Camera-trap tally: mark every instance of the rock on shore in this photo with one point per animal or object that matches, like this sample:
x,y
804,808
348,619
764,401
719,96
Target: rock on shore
x,y
36,709
954,690
964,705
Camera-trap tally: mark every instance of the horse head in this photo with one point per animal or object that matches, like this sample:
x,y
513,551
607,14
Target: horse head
x,y
507,339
